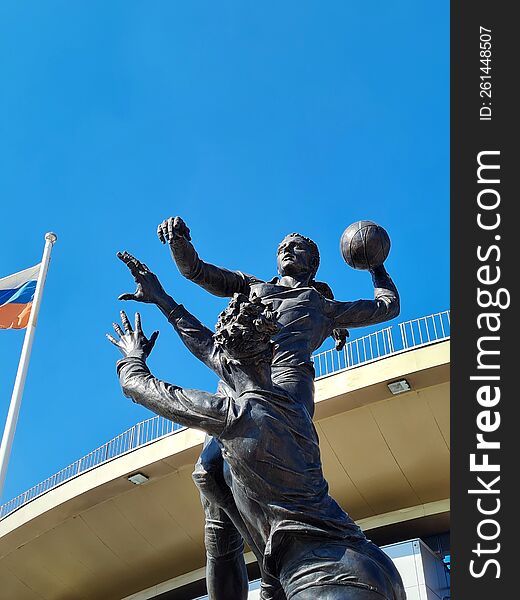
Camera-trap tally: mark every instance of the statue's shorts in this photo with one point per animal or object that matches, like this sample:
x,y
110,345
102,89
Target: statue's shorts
x,y
331,570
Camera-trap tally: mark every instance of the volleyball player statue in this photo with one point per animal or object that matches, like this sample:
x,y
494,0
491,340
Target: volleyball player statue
x,y
306,315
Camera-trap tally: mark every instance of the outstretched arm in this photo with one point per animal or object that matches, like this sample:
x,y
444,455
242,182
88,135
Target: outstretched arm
x,y
216,280
195,336
199,341
192,408
383,307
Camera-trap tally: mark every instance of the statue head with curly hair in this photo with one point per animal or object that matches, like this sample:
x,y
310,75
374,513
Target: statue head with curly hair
x,y
245,328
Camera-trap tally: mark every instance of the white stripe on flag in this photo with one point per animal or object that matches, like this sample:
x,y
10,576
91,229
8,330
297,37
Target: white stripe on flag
x,y
12,282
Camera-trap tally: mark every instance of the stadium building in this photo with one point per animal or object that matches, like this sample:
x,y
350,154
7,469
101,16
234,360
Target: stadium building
x,y
125,521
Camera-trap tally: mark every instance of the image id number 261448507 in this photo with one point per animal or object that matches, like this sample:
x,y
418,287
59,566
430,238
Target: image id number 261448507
x,y
486,112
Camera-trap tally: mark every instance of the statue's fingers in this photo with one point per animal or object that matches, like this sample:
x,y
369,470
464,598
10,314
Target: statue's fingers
x,y
138,327
129,261
126,322
129,256
127,297
153,339
133,263
138,266
118,330
134,267
181,228
111,339
161,232
171,228
124,256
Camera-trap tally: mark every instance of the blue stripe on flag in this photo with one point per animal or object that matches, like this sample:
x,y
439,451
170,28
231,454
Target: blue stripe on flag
x,y
22,295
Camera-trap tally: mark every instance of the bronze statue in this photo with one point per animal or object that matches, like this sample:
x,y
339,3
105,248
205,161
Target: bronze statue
x,y
307,314
309,544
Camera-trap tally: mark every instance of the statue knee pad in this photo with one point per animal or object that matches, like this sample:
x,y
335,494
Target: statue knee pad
x,y
222,540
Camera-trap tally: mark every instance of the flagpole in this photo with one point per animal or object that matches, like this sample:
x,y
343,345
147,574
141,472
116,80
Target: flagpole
x,y
16,398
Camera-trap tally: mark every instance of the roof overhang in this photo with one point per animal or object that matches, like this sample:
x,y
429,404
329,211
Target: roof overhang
x,y
386,458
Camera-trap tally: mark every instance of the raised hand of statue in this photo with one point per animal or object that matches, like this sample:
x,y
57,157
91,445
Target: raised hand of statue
x,y
132,340
173,228
149,288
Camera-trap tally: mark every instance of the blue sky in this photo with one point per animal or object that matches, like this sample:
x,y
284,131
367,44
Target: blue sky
x,y
250,120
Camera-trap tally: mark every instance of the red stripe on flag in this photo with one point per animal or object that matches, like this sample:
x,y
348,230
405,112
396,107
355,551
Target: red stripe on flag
x,y
15,316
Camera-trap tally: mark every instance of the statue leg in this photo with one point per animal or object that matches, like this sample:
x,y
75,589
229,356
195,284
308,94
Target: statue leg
x,y
226,574
225,531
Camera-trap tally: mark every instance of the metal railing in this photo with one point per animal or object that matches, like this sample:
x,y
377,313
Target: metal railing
x,y
137,436
362,350
371,347
425,330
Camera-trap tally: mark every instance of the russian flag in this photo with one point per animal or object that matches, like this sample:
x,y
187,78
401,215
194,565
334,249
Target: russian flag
x,y
16,296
